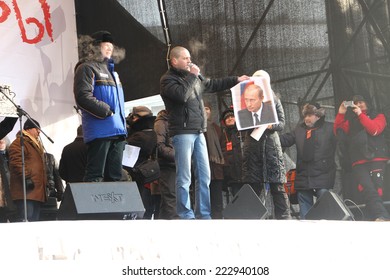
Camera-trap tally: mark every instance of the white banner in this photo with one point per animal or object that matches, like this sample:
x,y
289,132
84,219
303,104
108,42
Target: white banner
x,y
38,52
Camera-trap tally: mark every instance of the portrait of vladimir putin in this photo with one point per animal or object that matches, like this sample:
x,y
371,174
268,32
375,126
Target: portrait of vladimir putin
x,y
257,112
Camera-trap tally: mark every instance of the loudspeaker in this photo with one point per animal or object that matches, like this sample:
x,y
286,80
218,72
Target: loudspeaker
x,y
245,205
361,213
101,201
329,207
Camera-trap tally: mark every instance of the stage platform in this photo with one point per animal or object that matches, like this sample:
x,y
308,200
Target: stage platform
x,y
337,249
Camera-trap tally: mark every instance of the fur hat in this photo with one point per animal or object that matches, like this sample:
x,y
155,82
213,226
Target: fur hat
x,y
28,124
142,111
313,109
102,36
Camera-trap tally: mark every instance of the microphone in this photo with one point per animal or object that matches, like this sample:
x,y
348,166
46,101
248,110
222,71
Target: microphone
x,y
200,76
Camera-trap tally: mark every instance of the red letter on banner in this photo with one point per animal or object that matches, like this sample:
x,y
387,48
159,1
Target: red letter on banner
x,y
31,20
6,11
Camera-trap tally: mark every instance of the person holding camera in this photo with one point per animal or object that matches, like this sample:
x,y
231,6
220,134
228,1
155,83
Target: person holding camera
x,y
34,170
361,130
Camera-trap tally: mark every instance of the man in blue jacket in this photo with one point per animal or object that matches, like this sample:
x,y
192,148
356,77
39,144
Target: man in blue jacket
x,y
99,94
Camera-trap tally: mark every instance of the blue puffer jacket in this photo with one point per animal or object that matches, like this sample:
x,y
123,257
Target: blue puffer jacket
x,y
99,93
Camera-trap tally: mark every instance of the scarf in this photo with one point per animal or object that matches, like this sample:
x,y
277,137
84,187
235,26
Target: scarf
x,y
213,145
36,141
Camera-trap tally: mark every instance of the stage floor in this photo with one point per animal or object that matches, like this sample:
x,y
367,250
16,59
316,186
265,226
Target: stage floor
x,y
356,250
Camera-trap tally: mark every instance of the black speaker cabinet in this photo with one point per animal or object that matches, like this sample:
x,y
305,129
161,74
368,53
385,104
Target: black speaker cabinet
x,y
329,207
361,213
245,205
101,201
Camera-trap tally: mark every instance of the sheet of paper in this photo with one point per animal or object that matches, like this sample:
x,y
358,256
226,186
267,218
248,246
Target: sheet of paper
x,y
130,155
257,132
7,108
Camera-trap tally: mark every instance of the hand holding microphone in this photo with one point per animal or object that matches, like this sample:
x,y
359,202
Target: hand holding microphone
x,y
194,69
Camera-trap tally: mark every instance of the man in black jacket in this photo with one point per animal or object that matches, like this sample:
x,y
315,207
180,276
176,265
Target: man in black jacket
x,y
315,145
74,159
182,87
6,204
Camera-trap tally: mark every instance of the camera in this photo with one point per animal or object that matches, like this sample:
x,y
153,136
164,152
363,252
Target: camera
x,y
349,104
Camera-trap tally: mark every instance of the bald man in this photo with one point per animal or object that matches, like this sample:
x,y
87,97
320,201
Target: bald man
x,y
181,89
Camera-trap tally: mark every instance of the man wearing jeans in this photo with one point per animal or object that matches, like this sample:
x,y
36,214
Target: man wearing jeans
x,y
315,145
182,87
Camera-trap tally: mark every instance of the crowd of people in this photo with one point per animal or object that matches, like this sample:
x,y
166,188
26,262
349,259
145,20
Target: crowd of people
x,y
199,159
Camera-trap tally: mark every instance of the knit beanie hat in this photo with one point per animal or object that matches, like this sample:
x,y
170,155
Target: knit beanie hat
x,y
313,109
28,124
227,113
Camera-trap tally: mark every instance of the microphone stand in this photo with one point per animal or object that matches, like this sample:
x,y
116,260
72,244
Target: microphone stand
x,y
22,113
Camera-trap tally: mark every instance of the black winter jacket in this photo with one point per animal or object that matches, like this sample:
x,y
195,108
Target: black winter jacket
x,y
321,170
263,160
233,157
182,93
165,151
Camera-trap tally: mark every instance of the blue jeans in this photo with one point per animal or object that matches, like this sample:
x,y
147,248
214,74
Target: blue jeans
x,y
33,210
192,148
306,201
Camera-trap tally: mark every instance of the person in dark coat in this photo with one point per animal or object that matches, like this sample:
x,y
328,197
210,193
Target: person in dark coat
x,y
316,145
214,142
166,160
54,186
233,140
263,161
142,135
7,207
74,159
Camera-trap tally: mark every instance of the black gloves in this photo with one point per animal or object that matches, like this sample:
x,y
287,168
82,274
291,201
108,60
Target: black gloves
x,y
29,184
